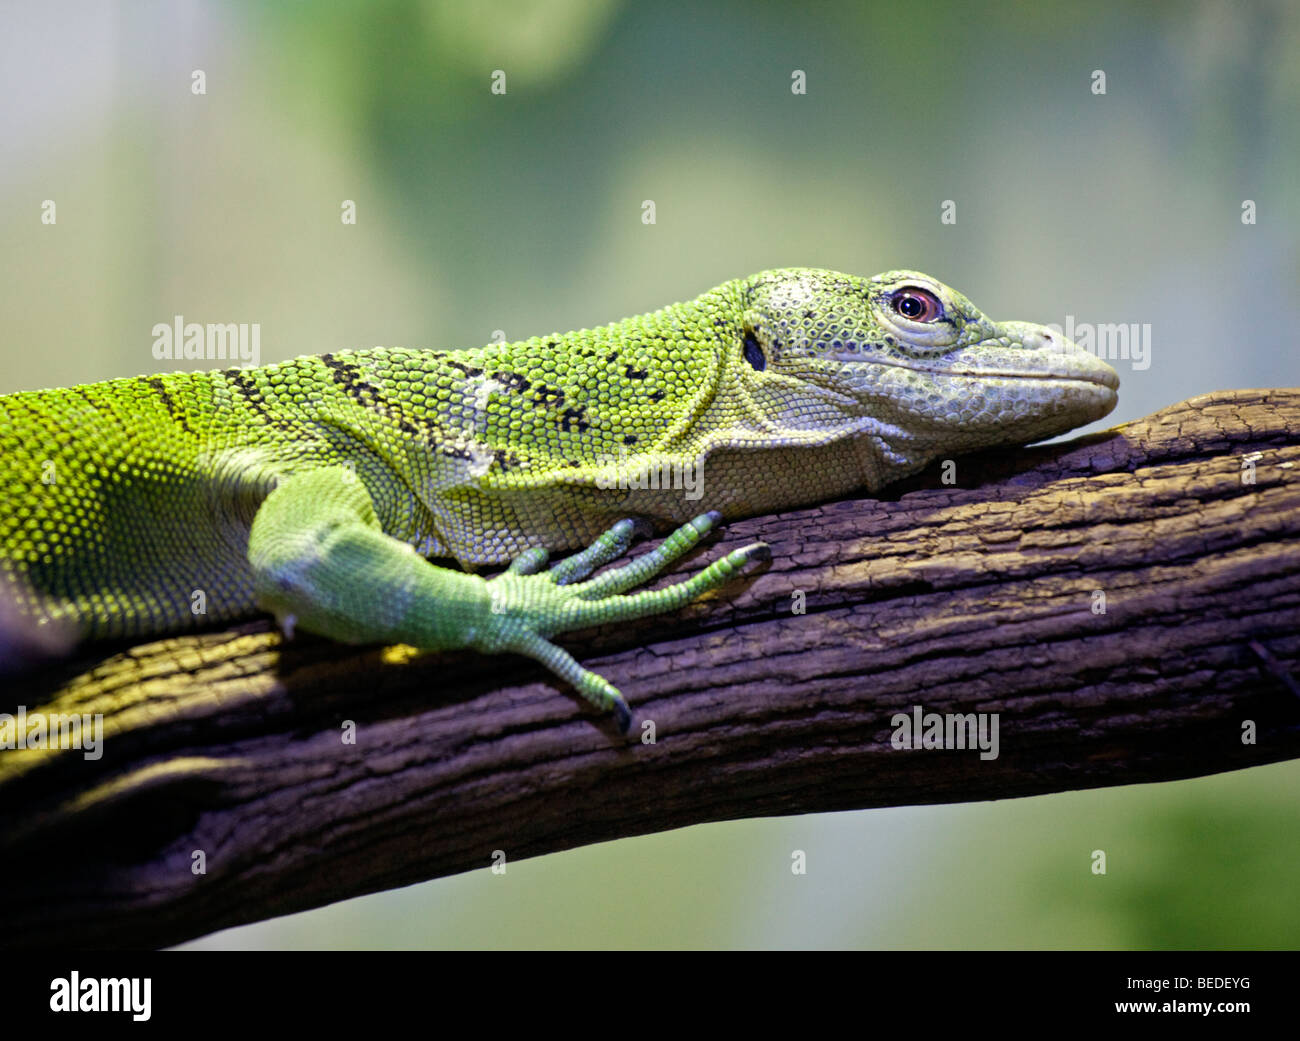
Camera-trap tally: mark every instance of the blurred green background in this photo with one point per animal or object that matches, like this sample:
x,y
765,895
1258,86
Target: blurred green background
x,y
521,212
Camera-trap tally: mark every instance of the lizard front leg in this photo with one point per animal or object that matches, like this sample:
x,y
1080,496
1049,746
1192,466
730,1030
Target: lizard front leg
x,y
322,562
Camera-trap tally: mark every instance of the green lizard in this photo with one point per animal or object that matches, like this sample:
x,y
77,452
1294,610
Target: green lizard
x,y
316,488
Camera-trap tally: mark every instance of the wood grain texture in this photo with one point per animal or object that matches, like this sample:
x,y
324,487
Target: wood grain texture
x,y
977,597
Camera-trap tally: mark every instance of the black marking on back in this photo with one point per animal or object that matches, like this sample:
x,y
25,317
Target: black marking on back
x,y
156,384
515,381
635,374
350,378
548,396
573,418
507,459
355,385
243,383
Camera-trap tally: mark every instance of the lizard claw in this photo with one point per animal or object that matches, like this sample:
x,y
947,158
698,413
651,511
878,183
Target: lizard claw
x,y
622,716
531,606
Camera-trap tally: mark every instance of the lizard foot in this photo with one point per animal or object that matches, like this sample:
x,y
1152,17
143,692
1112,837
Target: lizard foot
x,y
530,605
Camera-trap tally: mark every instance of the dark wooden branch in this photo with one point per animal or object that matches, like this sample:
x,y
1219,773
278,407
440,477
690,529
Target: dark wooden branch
x,y
978,598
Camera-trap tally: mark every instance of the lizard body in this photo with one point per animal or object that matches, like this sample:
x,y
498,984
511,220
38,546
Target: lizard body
x,y
316,487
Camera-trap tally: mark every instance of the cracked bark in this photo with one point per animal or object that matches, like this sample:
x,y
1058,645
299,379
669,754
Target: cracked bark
x,y
978,598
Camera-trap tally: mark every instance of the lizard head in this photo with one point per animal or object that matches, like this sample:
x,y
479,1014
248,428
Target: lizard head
x,y
912,362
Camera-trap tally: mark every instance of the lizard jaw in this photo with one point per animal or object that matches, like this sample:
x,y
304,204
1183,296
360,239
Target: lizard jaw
x,y
1101,374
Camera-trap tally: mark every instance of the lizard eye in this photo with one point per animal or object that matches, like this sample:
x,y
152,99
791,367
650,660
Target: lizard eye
x,y
754,353
917,305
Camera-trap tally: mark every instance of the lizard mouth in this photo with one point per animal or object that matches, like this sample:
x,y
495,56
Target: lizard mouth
x,y
1100,376
1098,379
